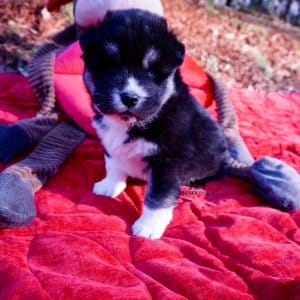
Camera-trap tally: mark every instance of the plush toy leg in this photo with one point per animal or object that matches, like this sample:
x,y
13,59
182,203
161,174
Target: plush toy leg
x,y
228,120
17,138
273,180
19,182
240,152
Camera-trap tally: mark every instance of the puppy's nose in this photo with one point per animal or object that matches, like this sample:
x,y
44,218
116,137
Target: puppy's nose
x,y
129,99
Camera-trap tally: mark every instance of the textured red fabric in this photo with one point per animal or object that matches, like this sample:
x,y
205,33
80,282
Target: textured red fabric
x,y
223,243
75,101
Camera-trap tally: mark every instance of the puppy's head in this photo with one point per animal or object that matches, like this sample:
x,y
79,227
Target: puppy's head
x,y
130,62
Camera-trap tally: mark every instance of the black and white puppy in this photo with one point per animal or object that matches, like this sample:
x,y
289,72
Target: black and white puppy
x,y
149,124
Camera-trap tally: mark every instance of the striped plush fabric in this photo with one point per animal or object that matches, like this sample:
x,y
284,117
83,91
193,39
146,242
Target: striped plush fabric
x,y
55,143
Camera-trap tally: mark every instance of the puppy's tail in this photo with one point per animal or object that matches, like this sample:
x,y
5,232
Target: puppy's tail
x,y
240,160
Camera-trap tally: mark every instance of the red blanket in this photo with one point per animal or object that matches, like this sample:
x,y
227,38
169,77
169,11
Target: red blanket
x,y
223,243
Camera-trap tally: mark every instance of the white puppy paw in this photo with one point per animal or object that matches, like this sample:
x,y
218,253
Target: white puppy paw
x,y
108,187
153,222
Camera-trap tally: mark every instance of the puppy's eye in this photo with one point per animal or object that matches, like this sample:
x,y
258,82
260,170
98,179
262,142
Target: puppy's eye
x,y
151,74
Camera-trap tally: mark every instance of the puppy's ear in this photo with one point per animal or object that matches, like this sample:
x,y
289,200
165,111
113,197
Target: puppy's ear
x,y
179,52
88,40
164,23
108,15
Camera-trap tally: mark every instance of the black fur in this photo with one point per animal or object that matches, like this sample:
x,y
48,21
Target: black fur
x,y
191,144
116,48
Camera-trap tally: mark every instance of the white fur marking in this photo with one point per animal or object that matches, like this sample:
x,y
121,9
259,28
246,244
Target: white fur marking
x,y
170,88
153,222
113,133
134,88
115,181
109,188
151,56
117,103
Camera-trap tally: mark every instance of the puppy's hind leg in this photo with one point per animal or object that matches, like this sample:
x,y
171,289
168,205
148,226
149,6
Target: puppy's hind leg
x,y
114,182
163,190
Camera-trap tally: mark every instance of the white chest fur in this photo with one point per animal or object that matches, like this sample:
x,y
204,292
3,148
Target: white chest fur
x,y
113,133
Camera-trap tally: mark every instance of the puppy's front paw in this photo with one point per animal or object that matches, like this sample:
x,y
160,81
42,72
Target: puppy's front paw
x,y
109,188
153,222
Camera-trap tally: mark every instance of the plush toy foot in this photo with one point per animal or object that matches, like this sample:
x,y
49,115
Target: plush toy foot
x,y
13,141
16,202
277,183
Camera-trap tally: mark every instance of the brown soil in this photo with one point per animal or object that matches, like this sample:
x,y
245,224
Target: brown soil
x,y
22,29
247,51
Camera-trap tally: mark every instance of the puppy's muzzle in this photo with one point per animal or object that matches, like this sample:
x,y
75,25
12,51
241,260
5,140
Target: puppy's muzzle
x,y
129,99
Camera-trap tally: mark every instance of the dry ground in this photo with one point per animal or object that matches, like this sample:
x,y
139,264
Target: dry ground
x,y
248,51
